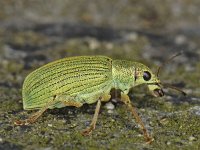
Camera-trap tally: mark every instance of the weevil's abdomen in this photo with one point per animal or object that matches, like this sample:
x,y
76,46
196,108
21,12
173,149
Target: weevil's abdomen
x,y
74,76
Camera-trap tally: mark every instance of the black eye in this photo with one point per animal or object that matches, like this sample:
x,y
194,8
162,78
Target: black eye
x,y
146,76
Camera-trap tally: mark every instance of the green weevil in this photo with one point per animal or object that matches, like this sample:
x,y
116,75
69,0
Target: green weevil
x,y
75,81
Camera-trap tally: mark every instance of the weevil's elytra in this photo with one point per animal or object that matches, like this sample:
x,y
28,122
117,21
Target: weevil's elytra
x,y
75,81
68,77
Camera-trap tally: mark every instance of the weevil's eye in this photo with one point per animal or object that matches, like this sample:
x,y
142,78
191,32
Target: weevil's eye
x,y
146,76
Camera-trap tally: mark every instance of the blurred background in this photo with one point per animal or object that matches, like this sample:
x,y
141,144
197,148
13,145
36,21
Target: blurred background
x,y
35,32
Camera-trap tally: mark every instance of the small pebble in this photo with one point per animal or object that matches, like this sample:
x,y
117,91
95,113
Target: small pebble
x,y
64,121
168,143
93,43
180,39
74,125
109,46
133,36
110,111
195,110
50,125
192,138
109,106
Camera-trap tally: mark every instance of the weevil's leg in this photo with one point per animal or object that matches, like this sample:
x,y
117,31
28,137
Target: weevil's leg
x,y
92,126
88,131
34,116
127,101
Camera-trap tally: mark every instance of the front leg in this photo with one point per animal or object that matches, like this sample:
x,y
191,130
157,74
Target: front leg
x,y
125,98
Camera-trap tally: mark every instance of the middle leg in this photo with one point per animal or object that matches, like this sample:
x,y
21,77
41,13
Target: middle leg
x,y
92,126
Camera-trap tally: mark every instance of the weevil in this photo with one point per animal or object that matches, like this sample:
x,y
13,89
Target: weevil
x,y
75,81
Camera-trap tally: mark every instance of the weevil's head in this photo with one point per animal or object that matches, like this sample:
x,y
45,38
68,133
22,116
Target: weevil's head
x,y
146,76
143,75
127,74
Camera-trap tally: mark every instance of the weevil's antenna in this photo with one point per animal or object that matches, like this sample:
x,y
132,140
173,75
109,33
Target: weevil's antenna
x,y
174,88
167,61
166,84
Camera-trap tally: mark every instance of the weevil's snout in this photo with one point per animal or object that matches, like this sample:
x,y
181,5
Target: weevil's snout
x,y
158,93
156,89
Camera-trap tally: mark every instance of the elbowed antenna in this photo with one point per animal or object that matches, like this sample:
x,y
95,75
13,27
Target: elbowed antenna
x,y
174,88
167,61
166,84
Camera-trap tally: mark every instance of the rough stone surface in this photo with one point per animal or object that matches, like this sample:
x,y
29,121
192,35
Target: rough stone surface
x,y
33,33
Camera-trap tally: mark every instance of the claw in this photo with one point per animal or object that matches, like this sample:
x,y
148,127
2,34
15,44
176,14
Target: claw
x,y
149,140
20,122
87,131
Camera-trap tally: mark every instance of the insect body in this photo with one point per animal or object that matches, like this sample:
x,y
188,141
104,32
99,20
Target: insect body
x,y
75,81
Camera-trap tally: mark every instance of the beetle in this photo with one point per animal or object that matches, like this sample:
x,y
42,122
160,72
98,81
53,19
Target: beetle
x,y
75,81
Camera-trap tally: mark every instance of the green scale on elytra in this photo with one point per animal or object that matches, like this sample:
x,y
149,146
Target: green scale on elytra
x,y
78,80
81,78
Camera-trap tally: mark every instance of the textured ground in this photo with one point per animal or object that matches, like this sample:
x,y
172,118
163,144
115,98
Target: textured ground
x,y
33,33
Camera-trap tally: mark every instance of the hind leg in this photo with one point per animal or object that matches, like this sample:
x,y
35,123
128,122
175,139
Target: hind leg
x,y
35,115
32,118
63,101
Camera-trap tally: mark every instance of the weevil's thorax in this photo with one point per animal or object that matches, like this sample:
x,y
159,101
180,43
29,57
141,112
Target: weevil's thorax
x,y
122,74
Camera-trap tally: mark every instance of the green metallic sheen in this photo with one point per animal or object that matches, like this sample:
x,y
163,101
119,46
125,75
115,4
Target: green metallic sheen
x,y
81,79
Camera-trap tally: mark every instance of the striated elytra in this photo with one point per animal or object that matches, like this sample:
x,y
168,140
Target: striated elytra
x,y
75,81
